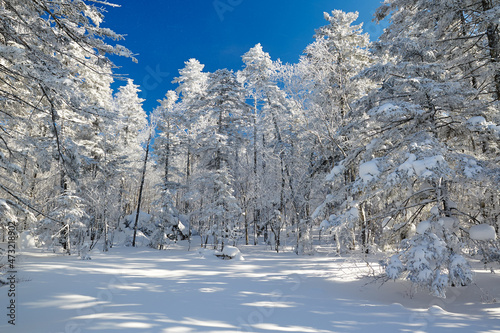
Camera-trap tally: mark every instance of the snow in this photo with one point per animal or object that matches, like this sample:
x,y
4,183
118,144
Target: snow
x,y
482,232
388,108
435,210
181,227
351,215
369,171
424,167
478,120
481,123
144,290
126,238
423,226
232,252
229,252
26,241
325,224
471,168
338,169
144,219
448,223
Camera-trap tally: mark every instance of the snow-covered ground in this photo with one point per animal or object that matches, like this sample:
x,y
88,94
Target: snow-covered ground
x,y
175,291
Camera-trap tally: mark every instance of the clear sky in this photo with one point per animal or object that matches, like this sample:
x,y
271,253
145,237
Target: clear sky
x,y
166,33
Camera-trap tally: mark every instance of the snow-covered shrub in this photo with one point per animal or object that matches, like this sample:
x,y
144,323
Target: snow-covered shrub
x,y
430,262
65,227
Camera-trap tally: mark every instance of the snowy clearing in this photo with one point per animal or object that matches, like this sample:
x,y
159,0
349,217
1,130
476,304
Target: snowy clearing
x,y
144,290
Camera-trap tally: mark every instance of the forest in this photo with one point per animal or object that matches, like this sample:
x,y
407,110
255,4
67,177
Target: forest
x,y
386,146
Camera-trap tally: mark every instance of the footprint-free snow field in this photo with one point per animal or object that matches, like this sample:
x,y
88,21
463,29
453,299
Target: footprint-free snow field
x,y
176,291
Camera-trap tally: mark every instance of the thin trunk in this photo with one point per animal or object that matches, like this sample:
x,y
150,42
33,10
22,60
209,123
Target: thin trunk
x,y
188,176
256,215
139,199
167,155
364,227
246,227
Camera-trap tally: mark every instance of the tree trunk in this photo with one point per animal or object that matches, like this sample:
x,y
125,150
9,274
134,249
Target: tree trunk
x,y
256,214
364,227
141,187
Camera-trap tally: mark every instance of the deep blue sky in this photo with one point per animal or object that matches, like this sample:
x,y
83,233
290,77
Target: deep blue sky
x,y
166,33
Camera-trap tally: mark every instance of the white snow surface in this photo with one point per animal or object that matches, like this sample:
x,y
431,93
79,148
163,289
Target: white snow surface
x,y
143,290
482,232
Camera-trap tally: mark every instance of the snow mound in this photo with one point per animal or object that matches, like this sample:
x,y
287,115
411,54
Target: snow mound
x,y
143,220
230,252
482,232
436,310
325,224
233,252
398,306
203,252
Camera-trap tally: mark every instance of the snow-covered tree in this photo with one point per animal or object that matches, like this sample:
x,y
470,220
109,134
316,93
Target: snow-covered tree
x,y
132,134
217,143
192,88
55,91
255,76
333,64
272,114
410,154
166,147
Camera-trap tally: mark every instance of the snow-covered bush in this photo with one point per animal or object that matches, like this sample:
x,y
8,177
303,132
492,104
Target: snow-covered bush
x,y
430,262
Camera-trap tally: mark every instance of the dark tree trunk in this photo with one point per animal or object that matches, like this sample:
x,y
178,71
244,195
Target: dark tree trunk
x,y
141,187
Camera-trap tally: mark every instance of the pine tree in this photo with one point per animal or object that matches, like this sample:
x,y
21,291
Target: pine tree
x,y
217,144
53,66
132,133
410,157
